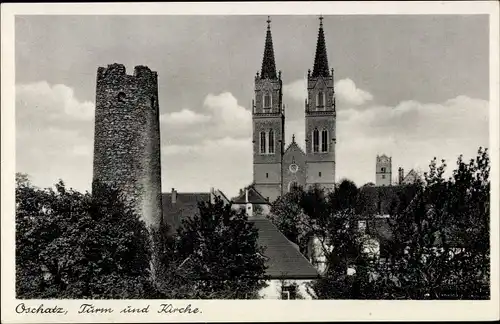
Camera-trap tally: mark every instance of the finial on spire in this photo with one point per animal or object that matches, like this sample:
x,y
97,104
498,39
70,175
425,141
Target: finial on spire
x,y
268,64
320,59
293,138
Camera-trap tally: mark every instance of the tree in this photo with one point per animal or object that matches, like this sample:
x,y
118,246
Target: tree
x,y
441,239
77,246
214,254
330,219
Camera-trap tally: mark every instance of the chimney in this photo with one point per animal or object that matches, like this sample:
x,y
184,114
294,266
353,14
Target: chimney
x,y
174,196
212,195
246,195
401,175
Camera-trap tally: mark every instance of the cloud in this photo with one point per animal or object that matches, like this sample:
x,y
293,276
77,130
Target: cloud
x,y
411,132
220,116
54,101
224,163
185,117
348,94
54,135
297,90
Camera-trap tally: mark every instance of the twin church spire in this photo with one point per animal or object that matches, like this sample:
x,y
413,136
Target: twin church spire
x,y
320,59
268,64
320,68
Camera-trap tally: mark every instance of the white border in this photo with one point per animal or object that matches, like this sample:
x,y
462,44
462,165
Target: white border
x,y
252,311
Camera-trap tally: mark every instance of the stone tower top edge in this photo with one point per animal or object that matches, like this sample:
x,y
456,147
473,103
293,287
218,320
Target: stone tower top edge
x,y
118,71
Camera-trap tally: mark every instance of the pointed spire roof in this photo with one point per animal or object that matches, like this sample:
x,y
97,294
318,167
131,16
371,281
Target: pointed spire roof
x,y
321,58
268,63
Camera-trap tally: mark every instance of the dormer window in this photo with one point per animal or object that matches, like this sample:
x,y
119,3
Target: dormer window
x,y
267,100
320,100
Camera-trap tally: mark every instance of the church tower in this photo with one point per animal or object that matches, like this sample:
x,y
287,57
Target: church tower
x,y
383,170
320,117
268,119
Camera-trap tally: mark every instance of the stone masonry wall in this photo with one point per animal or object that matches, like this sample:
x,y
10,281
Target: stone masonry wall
x,y
127,137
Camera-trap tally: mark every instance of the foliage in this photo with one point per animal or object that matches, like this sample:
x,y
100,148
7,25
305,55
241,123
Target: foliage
x,y
441,239
439,246
75,246
214,254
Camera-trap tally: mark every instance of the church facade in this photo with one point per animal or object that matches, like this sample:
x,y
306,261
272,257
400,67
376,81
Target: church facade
x,y
276,167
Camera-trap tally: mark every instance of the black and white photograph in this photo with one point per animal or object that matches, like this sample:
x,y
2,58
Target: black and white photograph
x,y
250,156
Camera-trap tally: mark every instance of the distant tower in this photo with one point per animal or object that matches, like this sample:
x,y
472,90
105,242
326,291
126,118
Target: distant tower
x,y
268,118
383,170
127,137
320,120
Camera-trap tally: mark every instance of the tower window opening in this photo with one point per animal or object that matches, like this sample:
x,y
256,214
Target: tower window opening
x,y
383,176
324,140
262,142
271,142
320,102
121,96
267,175
267,100
319,174
315,140
382,169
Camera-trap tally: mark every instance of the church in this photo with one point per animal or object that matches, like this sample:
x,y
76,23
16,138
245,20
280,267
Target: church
x,y
278,167
127,154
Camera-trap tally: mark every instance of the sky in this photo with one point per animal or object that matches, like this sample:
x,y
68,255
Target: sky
x,y
412,87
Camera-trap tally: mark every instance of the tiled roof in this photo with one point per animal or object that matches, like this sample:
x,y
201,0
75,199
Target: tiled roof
x,y
254,197
284,259
186,205
381,200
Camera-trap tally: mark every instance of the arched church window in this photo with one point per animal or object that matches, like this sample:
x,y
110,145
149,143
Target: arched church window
x,y
324,140
315,136
267,100
271,141
320,102
262,142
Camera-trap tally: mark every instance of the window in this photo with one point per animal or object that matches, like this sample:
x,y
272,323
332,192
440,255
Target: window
x,y
324,140
362,226
285,295
121,96
288,292
320,102
271,141
262,142
315,140
267,175
382,169
267,100
319,174
383,176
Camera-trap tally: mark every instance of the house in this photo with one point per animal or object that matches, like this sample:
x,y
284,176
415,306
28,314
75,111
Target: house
x,y
289,273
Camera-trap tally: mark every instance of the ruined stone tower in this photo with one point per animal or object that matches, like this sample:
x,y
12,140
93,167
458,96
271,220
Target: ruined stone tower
x,y
320,120
127,137
268,119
